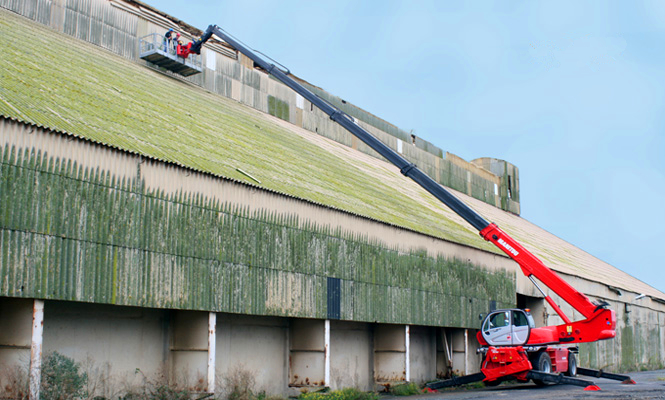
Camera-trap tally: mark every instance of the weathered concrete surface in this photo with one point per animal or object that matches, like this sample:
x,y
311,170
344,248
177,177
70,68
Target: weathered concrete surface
x,y
389,353
15,314
307,352
189,349
258,345
422,357
121,344
351,355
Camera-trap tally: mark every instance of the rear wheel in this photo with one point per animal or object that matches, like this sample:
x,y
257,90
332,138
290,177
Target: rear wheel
x,y
543,364
572,364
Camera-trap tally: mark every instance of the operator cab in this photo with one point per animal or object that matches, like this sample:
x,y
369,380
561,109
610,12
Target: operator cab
x,y
507,327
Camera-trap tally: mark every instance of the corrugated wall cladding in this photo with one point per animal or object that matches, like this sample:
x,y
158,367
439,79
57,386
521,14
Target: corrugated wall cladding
x,y
36,10
71,233
101,24
361,114
91,20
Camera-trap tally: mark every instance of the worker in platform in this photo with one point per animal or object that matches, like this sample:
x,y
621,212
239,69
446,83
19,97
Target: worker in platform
x,y
171,38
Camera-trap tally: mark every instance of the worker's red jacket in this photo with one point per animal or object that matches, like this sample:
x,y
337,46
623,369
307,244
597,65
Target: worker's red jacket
x,y
184,50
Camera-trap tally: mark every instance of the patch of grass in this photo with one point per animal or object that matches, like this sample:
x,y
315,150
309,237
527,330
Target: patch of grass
x,y
406,389
343,394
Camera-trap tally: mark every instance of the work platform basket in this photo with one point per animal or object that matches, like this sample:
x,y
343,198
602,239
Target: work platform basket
x,y
156,49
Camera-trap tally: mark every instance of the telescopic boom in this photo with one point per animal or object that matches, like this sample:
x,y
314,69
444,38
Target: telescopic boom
x,y
600,322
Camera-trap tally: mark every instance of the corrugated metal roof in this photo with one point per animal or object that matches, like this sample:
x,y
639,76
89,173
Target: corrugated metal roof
x,y
53,80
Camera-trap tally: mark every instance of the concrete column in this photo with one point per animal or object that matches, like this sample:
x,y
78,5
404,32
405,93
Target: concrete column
x,y
466,352
212,345
326,339
36,349
407,356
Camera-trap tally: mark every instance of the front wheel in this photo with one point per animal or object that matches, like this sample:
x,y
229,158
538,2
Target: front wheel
x,y
572,364
543,364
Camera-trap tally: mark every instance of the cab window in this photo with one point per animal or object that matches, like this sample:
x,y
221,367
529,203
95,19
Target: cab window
x,y
519,319
499,320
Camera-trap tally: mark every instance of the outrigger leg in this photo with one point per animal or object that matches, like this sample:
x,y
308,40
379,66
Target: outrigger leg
x,y
456,381
560,379
626,380
545,377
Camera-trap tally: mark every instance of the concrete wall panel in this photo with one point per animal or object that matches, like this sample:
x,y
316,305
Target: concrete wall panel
x,y
389,353
15,334
122,345
422,353
306,369
258,345
351,356
307,352
189,348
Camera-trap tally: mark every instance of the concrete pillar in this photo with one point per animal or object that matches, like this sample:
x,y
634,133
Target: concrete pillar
x,y
212,346
36,349
407,355
326,340
466,352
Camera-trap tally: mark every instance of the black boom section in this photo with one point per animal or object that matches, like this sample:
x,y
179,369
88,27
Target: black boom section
x,y
407,168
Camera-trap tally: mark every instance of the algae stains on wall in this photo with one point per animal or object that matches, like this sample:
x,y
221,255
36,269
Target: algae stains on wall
x,y
637,345
72,233
278,108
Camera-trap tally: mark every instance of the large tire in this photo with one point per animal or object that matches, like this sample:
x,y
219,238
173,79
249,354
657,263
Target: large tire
x,y
572,364
543,364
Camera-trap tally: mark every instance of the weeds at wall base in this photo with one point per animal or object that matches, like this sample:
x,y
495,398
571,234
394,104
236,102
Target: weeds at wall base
x,y
65,379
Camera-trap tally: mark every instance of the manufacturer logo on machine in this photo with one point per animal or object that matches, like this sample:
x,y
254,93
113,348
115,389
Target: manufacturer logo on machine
x,y
508,247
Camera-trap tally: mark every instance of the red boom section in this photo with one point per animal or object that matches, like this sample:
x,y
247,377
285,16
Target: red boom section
x,y
599,324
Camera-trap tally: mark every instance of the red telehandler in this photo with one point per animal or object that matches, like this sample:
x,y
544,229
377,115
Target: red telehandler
x,y
512,347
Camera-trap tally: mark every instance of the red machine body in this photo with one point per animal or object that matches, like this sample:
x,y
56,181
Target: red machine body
x,y
599,322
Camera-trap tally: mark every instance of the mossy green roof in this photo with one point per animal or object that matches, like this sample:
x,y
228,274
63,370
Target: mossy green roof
x,y
50,79
53,80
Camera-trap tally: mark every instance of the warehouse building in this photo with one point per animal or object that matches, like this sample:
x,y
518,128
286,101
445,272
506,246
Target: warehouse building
x,y
152,223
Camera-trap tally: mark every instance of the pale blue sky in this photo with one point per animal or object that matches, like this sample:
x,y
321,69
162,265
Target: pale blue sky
x,y
572,94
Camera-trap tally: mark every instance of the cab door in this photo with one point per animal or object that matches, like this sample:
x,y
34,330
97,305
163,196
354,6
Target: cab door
x,y
521,328
497,329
